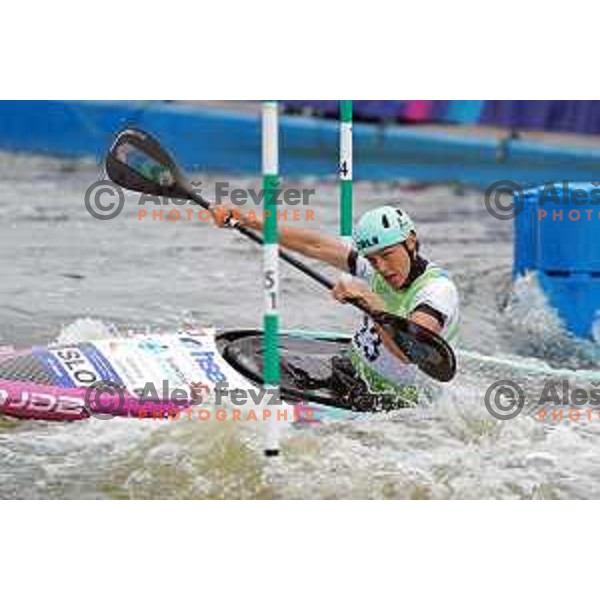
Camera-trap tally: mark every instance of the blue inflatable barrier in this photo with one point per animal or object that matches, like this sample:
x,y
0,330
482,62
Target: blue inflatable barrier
x,y
228,141
525,238
557,235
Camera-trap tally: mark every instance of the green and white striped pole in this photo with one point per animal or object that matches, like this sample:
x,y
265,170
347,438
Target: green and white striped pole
x,y
270,172
345,169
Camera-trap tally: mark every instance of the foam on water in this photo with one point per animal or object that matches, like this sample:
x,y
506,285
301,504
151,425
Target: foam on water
x,y
536,329
79,279
448,448
86,329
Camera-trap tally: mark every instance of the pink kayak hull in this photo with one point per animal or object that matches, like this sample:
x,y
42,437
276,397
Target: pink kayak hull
x,y
28,400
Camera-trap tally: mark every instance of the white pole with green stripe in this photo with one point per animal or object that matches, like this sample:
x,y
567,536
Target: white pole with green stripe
x,y
270,172
345,169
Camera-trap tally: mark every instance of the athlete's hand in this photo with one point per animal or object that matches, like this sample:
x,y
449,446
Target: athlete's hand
x,y
227,215
349,289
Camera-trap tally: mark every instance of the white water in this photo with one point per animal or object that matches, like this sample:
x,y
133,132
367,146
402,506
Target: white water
x,y
58,266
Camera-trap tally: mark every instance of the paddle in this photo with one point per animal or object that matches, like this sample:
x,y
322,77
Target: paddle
x,y
137,162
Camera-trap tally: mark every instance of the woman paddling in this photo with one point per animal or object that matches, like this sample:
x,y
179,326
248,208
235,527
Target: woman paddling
x,y
389,275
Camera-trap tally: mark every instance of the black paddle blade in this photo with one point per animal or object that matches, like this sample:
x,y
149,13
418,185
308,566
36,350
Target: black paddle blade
x,y
137,162
429,351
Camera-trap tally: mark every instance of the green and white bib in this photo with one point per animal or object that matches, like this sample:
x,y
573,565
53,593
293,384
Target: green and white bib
x,y
380,369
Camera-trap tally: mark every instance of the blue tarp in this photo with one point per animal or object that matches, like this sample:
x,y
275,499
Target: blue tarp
x,y
577,116
226,141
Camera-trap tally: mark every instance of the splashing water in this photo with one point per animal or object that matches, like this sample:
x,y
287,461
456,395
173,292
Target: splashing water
x,y
85,330
159,275
536,329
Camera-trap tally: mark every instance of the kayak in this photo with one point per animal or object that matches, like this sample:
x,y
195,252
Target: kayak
x,y
144,375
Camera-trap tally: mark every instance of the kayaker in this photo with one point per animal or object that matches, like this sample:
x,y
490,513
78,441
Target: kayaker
x,y
388,274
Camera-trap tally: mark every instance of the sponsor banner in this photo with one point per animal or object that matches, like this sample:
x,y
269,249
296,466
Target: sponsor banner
x,y
77,366
184,360
134,365
205,358
54,367
165,354
101,364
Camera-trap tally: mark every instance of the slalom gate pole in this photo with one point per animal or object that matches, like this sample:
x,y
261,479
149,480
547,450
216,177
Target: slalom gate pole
x,y
345,169
270,173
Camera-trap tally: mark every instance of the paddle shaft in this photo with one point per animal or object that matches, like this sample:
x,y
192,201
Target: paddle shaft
x,y
255,237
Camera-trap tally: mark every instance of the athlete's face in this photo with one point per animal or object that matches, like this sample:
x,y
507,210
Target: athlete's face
x,y
393,262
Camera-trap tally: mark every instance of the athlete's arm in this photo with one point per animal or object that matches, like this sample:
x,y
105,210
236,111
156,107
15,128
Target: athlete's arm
x,y
350,289
424,317
418,316
435,305
308,242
